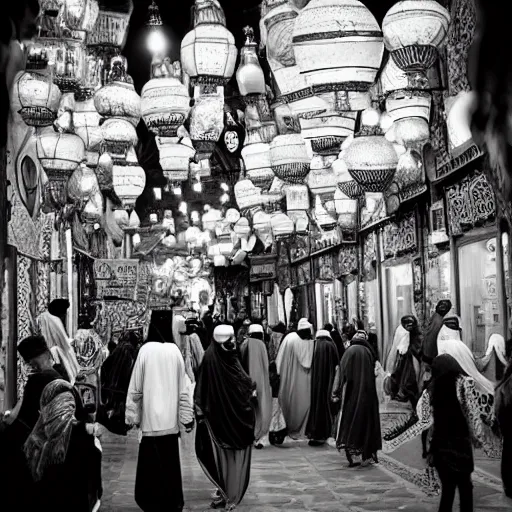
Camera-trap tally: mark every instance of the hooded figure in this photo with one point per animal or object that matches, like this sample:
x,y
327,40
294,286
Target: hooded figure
x,y
336,338
429,349
255,362
189,344
224,403
294,367
359,424
323,370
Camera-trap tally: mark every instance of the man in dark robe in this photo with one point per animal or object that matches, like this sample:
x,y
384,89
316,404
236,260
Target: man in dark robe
x,y
359,427
429,349
323,369
336,338
254,359
224,403
14,472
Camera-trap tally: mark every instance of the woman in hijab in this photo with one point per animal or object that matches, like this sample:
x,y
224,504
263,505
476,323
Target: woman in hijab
x,y
359,425
323,369
460,416
277,433
116,373
404,361
503,408
63,457
189,344
52,328
224,402
336,338
429,349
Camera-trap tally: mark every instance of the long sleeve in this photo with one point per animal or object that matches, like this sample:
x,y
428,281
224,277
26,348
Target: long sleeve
x,y
425,421
186,406
134,397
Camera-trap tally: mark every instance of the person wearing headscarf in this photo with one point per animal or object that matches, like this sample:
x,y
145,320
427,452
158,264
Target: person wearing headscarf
x,y
63,457
89,350
358,430
51,326
460,416
503,409
197,327
254,360
294,367
429,348
336,338
116,373
224,403
189,344
449,341
494,363
404,360
323,370
277,433
159,401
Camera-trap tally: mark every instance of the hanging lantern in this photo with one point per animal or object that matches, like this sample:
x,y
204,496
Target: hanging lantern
x,y
371,159
345,182
249,76
119,135
208,51
289,158
174,158
92,213
282,226
262,227
338,45
413,32
35,98
257,164
165,102
118,98
226,245
129,180
82,185
110,29
80,16
247,195
242,228
322,182
346,210
59,154
87,126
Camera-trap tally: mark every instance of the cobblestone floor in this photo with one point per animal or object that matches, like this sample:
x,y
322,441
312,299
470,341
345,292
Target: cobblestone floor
x,y
294,478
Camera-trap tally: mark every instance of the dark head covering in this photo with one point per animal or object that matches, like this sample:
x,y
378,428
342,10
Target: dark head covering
x,y
160,327
443,307
58,307
452,322
361,338
32,347
280,328
445,371
336,337
429,349
223,393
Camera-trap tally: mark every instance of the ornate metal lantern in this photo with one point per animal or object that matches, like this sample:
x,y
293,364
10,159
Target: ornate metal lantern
x,y
175,158
87,126
257,164
129,180
289,158
249,76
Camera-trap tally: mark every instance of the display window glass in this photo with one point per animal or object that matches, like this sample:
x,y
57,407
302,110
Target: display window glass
x,y
438,281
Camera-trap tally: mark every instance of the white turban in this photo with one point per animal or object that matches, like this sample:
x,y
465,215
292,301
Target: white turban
x,y
303,324
253,328
323,334
223,333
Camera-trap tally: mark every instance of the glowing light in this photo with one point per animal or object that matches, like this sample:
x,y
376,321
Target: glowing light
x,y
224,198
183,207
194,216
157,43
197,187
136,239
158,193
224,187
176,190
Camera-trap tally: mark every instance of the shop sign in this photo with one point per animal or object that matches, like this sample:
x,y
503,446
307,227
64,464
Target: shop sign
x,y
399,237
116,278
262,271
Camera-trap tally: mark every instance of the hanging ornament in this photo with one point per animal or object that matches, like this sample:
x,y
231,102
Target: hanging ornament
x,y
87,126
129,180
249,76
345,182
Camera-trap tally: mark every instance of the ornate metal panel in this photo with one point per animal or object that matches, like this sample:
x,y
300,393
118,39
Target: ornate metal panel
x,y
470,203
347,260
400,237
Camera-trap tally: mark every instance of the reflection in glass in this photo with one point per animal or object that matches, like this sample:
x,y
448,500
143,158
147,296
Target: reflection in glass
x,y
438,281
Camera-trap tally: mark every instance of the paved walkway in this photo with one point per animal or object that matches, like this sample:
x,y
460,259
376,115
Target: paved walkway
x,y
293,478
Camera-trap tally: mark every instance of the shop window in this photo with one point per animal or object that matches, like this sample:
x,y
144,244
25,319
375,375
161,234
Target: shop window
x,y
480,306
438,281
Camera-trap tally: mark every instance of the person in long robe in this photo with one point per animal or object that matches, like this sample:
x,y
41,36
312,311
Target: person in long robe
x,y
336,338
404,360
323,370
116,373
429,348
63,457
503,408
277,433
189,344
224,403
254,360
51,326
159,402
294,367
359,425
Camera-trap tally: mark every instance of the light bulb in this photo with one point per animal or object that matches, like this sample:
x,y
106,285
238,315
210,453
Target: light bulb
x,y
176,190
194,216
183,207
136,239
157,44
370,117
197,187
224,187
158,193
224,198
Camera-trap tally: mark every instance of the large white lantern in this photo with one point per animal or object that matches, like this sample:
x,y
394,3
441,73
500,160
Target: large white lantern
x,y
289,158
87,126
257,164
175,158
208,51
165,102
338,45
413,31
247,195
249,76
119,135
129,180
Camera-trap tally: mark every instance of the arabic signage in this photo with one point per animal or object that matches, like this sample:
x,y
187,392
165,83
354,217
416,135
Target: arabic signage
x,y
263,269
116,278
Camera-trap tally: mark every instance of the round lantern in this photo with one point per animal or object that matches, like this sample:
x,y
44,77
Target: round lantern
x,y
257,164
346,184
289,158
118,98
371,159
410,176
174,158
119,135
165,104
87,126
247,195
129,180
338,43
413,30
35,98
282,226
104,172
82,184
208,51
249,76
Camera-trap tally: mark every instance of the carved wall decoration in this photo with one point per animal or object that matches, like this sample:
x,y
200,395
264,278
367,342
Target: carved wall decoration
x,y
400,237
347,260
284,278
438,132
470,203
369,255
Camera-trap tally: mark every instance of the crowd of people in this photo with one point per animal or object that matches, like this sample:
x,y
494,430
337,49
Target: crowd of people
x,y
241,387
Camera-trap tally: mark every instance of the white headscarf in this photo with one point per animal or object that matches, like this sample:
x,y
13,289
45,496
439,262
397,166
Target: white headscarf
x,y
497,343
179,326
52,329
401,343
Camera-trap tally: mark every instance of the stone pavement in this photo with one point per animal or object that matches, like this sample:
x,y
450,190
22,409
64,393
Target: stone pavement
x,y
293,478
